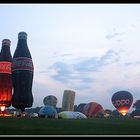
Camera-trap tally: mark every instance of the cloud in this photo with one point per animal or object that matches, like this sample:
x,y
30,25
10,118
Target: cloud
x,y
94,64
114,35
63,71
79,74
132,63
109,57
119,31
57,54
66,74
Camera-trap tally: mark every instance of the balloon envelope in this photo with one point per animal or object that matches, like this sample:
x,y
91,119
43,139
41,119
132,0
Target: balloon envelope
x,y
80,107
71,115
122,101
92,109
48,111
50,100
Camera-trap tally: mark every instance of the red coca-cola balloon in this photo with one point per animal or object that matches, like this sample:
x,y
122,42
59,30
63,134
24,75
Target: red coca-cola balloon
x,y
5,75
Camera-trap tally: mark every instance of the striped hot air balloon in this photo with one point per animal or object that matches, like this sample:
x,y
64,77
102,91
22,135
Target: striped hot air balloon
x,y
92,109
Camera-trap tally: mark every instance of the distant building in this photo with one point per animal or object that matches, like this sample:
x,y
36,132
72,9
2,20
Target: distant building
x,y
68,100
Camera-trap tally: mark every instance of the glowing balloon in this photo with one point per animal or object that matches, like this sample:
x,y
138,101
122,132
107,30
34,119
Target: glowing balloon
x,y
92,109
122,101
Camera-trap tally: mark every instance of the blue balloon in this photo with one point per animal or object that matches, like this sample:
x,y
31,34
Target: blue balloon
x,y
48,111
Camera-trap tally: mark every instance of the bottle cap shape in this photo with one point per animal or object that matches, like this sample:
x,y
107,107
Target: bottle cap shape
x,y
6,42
22,35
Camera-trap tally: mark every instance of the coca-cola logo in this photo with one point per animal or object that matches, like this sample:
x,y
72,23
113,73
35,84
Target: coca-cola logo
x,y
5,67
22,63
121,102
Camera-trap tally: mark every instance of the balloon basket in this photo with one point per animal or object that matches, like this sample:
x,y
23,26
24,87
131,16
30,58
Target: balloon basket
x,y
5,113
21,114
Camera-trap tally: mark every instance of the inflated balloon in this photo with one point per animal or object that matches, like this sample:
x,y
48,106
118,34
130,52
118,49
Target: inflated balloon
x,y
92,109
47,111
50,100
71,115
80,107
122,101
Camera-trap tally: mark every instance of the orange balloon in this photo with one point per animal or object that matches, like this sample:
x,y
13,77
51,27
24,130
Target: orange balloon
x,y
92,109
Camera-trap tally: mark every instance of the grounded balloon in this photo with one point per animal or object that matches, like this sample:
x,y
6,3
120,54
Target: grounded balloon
x,y
33,115
50,100
48,111
92,109
68,100
5,75
22,74
71,115
122,101
81,107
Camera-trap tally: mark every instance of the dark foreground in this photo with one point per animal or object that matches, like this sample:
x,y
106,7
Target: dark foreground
x,y
44,126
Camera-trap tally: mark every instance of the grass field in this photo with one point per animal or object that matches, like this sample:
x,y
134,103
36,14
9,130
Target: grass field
x,y
44,126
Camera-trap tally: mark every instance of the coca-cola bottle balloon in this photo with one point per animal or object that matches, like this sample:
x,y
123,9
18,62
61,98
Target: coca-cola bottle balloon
x,y
22,74
5,75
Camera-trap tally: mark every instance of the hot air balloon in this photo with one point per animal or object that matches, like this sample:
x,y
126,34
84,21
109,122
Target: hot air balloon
x,y
50,100
92,109
80,107
48,112
71,115
68,100
122,101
